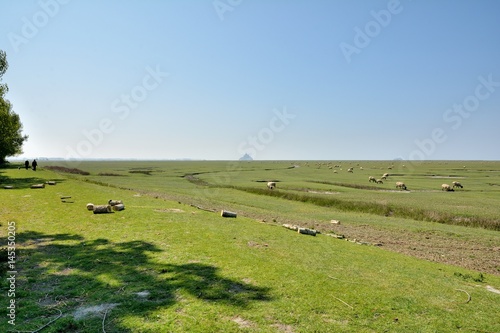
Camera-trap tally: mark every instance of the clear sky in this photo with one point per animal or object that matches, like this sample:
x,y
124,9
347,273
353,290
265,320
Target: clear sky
x,y
294,79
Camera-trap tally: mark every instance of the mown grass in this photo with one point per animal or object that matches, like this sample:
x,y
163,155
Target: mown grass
x,y
204,273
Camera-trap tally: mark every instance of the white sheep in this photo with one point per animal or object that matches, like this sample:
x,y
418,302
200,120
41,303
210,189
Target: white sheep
x,y
271,185
379,181
457,184
446,187
401,185
372,179
350,170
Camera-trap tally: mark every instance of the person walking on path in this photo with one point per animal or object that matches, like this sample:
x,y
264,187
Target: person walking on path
x,y
27,164
34,164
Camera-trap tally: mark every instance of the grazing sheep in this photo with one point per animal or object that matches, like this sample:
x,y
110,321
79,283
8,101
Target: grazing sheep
x,y
372,179
401,185
446,187
457,184
379,181
271,185
350,170
385,175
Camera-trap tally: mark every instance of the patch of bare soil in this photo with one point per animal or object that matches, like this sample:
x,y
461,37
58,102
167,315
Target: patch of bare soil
x,y
242,323
493,290
169,210
429,245
257,245
283,328
84,311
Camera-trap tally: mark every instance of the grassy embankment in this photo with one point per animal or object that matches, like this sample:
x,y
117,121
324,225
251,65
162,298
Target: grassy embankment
x,y
162,266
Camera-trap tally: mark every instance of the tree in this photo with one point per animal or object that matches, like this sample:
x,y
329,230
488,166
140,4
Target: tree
x,y
11,138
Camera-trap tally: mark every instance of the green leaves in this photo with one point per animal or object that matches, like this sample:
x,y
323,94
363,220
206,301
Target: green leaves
x,y
11,137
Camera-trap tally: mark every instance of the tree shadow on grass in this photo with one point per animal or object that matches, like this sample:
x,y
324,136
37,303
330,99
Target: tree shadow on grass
x,y
84,279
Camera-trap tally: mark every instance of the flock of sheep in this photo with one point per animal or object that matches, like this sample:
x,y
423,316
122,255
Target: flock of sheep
x,y
378,181
446,187
402,186
399,185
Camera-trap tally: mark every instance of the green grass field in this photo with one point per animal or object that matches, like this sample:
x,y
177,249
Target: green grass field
x,y
170,263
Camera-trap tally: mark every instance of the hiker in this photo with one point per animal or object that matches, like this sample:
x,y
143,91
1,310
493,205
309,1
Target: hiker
x,y
27,164
34,164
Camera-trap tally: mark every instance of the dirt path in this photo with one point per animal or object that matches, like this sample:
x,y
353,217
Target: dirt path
x,y
430,246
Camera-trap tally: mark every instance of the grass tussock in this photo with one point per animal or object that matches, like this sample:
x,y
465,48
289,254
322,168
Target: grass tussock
x,y
109,174
195,180
67,170
468,277
144,172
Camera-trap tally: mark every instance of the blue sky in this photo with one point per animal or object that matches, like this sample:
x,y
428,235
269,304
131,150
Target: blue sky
x,y
333,80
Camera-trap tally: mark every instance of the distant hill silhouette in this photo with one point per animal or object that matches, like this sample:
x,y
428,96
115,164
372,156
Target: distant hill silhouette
x,y
246,157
